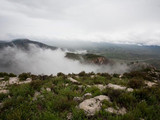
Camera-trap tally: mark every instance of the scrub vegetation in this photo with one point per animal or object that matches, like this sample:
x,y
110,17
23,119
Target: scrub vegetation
x,y
53,97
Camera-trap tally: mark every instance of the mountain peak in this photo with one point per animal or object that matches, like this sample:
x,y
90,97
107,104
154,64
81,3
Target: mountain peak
x,y
24,44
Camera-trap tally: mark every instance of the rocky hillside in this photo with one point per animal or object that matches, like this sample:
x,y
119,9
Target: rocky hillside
x,y
83,96
89,58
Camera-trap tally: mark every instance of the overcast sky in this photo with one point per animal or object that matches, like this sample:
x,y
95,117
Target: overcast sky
x,y
120,21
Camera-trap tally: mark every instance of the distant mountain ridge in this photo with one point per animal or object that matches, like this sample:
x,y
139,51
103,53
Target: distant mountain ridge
x,y
24,44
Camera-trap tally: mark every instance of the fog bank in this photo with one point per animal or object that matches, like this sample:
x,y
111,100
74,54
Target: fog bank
x,y
47,61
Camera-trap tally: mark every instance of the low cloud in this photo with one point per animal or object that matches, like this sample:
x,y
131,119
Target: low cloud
x,y
47,61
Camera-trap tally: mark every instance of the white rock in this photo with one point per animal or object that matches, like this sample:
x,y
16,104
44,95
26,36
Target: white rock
x,y
130,89
13,80
4,91
78,99
3,83
73,80
93,105
87,94
36,94
90,106
69,116
92,76
102,97
121,111
100,86
9,96
28,80
88,86
66,84
77,76
48,89
150,84
80,86
116,87
120,76
141,119
111,110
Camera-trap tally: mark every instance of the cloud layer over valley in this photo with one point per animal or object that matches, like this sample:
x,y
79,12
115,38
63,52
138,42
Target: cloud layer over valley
x,y
47,61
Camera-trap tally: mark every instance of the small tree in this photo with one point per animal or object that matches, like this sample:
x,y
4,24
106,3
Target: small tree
x,y
12,75
24,76
82,74
136,83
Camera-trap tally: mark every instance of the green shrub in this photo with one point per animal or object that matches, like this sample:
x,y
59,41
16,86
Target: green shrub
x,y
24,76
94,90
82,74
135,74
36,84
136,83
138,74
127,100
68,92
12,75
24,111
59,103
151,95
21,90
34,77
78,114
46,115
114,94
3,74
95,80
106,75
60,74
3,96
6,78
116,75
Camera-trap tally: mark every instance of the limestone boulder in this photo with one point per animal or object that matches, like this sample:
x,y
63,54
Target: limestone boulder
x,y
90,106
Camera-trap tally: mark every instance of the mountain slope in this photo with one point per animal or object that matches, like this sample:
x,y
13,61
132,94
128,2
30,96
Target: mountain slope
x,y
89,58
24,44
83,96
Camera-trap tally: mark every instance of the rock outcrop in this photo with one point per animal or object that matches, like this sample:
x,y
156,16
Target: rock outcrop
x,y
87,95
150,84
13,80
120,111
73,80
4,91
93,105
100,61
102,98
90,106
100,86
118,87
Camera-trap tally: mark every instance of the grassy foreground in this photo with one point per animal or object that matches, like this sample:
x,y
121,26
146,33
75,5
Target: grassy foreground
x,y
52,97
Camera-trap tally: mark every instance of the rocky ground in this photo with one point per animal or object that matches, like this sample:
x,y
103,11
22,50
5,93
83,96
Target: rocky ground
x,y
80,96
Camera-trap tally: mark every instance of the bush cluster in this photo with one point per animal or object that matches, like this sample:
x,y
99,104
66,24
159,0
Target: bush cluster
x,y
24,76
136,83
4,74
